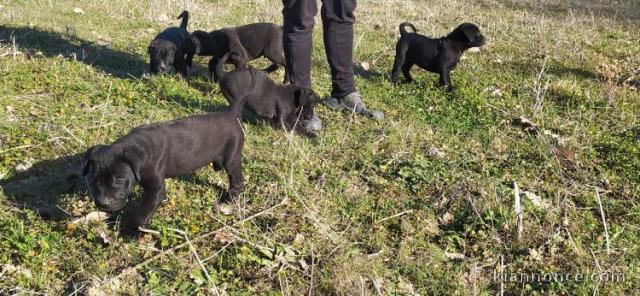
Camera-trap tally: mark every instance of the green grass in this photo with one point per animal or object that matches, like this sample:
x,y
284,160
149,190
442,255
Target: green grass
x,y
446,162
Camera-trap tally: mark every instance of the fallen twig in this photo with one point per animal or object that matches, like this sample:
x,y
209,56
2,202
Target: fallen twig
x,y
217,252
518,208
149,231
74,136
313,263
501,275
90,217
604,221
395,216
375,285
195,254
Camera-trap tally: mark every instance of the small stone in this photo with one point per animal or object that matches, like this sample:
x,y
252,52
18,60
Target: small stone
x,y
446,218
535,255
435,152
537,200
92,216
226,209
163,18
299,239
454,256
474,49
23,167
494,91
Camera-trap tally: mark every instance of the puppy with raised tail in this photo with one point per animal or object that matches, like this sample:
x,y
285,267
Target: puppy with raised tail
x,y
151,153
172,48
245,43
438,55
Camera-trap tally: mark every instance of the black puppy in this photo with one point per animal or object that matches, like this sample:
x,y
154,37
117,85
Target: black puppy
x,y
436,55
290,106
172,47
151,153
246,43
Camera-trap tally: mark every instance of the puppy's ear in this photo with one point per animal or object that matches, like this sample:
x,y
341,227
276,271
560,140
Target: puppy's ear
x,y
304,96
195,44
86,160
134,156
468,32
462,34
189,46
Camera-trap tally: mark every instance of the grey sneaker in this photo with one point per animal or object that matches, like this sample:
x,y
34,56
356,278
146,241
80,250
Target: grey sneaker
x,y
354,103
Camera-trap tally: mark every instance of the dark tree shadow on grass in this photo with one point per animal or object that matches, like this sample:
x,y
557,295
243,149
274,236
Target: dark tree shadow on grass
x,y
40,187
531,67
121,64
202,81
190,103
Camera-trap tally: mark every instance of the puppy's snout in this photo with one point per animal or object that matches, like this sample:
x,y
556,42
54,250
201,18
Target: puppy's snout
x,y
480,41
103,205
109,205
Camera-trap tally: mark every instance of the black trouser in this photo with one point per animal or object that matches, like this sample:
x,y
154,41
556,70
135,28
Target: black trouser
x,y
337,23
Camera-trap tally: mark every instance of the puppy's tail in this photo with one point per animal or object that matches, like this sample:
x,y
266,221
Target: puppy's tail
x,y
403,31
218,68
185,19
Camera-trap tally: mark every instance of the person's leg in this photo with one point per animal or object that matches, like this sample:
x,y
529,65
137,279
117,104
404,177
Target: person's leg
x,y
337,22
297,39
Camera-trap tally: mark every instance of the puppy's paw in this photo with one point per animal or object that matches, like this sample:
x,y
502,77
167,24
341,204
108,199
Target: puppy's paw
x,y
227,198
130,232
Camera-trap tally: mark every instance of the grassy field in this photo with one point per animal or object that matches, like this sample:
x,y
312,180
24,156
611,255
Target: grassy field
x,y
421,203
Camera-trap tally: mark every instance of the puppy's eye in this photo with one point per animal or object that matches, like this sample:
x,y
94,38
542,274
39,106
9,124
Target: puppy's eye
x,y
118,182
